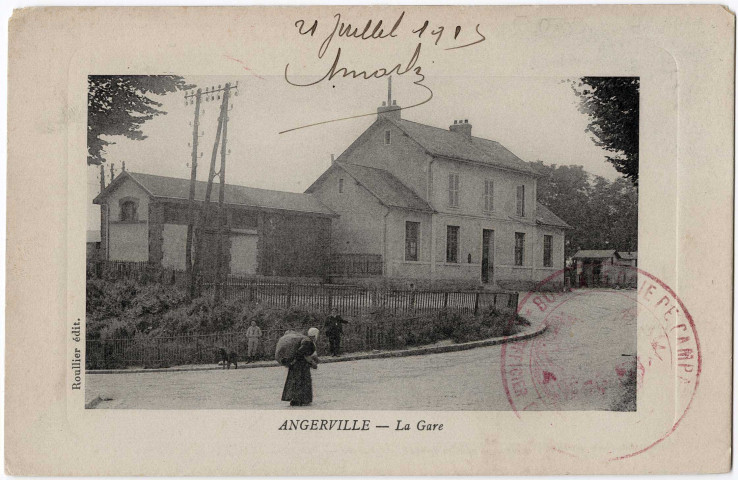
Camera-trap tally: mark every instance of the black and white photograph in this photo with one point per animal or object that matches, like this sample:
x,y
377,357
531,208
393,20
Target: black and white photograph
x,y
252,245
370,240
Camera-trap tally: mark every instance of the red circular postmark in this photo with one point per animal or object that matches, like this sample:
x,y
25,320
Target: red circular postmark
x,y
630,355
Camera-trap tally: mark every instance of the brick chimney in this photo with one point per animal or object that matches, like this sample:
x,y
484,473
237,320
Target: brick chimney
x,y
390,107
461,126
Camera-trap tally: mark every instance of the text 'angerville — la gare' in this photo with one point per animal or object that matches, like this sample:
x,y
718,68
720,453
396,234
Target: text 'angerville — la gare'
x,y
355,425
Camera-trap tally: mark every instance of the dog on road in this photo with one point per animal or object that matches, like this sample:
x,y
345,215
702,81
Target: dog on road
x,y
227,357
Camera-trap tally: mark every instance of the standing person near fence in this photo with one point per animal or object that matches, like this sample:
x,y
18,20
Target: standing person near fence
x,y
253,334
334,330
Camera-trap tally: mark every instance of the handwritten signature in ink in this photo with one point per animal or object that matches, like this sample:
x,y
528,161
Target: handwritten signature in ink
x,y
373,30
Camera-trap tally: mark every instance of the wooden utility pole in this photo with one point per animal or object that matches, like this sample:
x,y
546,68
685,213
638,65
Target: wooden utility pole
x,y
210,94
193,179
221,196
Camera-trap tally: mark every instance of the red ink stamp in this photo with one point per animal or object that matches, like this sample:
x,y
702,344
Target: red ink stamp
x,y
629,358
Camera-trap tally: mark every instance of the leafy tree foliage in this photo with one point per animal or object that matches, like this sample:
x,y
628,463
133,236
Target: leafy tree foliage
x,y
612,106
119,105
603,214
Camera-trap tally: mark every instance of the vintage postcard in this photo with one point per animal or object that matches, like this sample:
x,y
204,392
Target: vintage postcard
x,y
372,240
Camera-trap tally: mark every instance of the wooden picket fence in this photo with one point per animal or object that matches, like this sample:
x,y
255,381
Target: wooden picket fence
x,y
403,314
143,272
172,350
346,299
356,265
353,300
162,352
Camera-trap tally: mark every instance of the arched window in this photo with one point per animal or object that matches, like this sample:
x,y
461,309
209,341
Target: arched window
x,y
128,211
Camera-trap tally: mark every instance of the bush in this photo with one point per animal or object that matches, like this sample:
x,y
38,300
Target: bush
x,y
144,316
490,323
124,309
134,306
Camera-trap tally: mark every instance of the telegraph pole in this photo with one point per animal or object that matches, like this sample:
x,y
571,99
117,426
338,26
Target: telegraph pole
x,y
193,178
221,196
210,94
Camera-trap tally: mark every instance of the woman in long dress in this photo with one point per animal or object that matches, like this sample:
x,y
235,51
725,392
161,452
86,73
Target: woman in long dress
x,y
298,388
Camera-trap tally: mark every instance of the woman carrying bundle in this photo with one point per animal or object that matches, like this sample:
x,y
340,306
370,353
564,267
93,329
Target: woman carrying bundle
x,y
298,388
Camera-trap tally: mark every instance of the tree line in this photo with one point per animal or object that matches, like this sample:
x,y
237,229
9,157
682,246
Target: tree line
x,y
603,213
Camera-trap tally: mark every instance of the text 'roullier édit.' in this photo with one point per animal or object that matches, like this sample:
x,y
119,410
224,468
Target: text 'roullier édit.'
x,y
77,357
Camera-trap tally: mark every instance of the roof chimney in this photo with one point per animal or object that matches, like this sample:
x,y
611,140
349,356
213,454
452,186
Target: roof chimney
x,y
461,126
333,158
390,107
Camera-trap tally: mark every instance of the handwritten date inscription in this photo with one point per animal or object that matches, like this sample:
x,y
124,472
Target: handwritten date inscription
x,y
458,37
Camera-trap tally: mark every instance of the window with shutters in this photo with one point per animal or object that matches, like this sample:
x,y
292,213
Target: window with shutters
x,y
547,248
387,137
452,244
453,189
489,189
340,185
521,201
519,248
412,232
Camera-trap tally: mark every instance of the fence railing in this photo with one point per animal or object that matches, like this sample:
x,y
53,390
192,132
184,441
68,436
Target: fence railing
x,y
162,352
168,351
347,299
143,272
356,265
352,300
407,312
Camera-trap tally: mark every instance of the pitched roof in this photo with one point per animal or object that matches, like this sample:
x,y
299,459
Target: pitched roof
x,y
178,188
445,143
595,254
544,216
386,187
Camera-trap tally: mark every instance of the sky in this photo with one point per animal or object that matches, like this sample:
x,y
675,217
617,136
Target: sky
x,y
534,117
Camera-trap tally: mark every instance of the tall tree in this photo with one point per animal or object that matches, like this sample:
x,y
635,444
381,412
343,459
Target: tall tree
x,y
612,104
120,104
622,198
